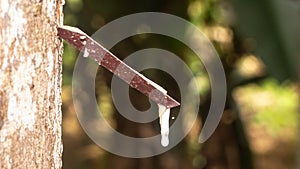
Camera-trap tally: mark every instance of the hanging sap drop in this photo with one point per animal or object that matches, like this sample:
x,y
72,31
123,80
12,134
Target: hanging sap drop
x,y
164,139
164,115
86,53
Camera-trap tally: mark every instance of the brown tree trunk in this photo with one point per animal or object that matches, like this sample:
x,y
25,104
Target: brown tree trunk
x,y
30,84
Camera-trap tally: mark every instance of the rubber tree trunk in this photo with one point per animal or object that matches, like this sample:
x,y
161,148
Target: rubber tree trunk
x,y
30,84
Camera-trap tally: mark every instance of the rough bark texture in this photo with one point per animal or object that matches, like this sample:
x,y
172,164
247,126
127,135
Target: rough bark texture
x,y
30,84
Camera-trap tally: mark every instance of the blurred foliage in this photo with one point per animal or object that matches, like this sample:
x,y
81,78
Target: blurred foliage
x,y
274,106
269,111
259,50
281,113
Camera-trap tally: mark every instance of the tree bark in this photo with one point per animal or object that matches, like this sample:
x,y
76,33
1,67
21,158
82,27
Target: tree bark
x,y
30,84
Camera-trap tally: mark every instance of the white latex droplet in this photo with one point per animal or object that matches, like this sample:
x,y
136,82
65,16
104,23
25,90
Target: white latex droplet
x,y
86,53
164,115
164,140
82,37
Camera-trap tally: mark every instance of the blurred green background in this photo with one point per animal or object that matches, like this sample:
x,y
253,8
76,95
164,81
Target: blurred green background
x,y
258,43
